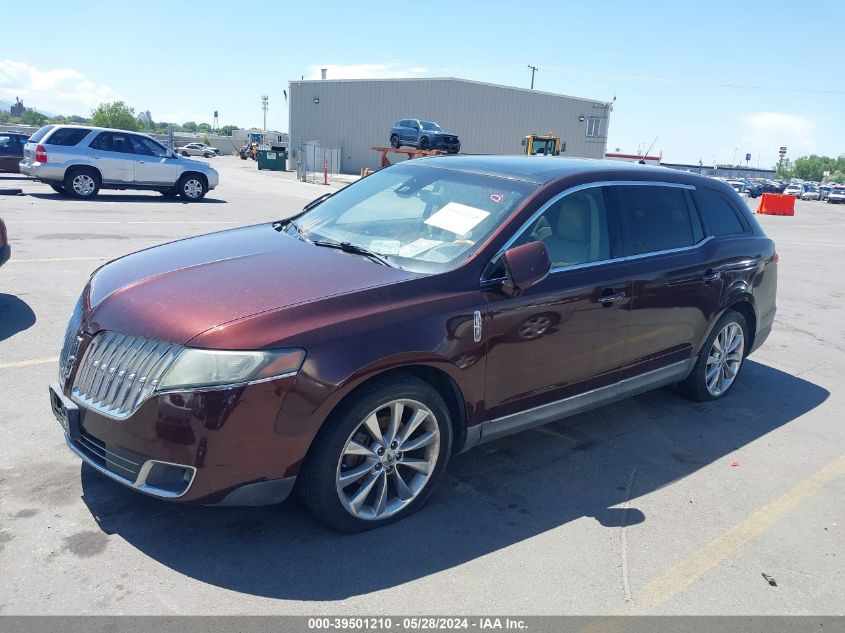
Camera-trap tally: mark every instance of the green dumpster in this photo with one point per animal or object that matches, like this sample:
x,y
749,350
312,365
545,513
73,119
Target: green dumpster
x,y
274,160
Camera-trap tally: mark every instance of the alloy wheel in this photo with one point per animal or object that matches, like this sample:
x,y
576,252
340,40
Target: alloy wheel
x,y
388,459
83,185
724,359
192,188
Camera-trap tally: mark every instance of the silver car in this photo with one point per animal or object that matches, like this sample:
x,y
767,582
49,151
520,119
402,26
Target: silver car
x,y
81,160
197,149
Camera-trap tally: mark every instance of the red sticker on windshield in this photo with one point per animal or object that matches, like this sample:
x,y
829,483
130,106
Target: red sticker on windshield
x,y
496,197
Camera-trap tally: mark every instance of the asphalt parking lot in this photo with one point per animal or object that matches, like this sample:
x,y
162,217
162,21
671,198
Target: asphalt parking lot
x,y
652,505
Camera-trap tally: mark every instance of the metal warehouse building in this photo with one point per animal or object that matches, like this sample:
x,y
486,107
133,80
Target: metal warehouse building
x,y
357,114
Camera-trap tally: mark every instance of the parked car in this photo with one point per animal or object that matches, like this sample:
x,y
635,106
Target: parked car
x,y
5,249
11,151
748,188
810,193
81,160
794,190
197,149
424,135
824,190
836,195
340,351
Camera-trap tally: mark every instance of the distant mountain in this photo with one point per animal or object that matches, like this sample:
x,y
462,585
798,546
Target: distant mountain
x,y
7,105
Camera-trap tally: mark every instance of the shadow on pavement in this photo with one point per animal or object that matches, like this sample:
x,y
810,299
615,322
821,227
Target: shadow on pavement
x,y
497,495
131,197
15,316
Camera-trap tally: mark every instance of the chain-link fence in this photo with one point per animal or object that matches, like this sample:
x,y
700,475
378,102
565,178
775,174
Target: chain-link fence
x,y
315,162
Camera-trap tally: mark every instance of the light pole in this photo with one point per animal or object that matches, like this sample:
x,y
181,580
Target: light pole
x,y
264,100
534,69
734,163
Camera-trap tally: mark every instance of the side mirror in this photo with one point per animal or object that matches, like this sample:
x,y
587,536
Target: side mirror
x,y
526,266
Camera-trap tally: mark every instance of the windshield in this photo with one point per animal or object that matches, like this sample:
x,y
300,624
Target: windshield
x,y
431,126
422,219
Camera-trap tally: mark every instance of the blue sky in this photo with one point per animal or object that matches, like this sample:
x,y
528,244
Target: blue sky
x,y
703,77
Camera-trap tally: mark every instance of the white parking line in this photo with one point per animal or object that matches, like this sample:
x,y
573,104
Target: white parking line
x,y
54,222
60,259
27,363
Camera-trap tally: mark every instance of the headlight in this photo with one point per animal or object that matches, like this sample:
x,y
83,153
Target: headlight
x,y
208,368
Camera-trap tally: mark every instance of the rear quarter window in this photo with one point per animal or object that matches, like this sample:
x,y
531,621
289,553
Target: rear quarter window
x,y
654,218
66,136
39,134
718,213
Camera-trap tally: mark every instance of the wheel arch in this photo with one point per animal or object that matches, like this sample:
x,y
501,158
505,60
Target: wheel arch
x,y
85,167
192,172
434,376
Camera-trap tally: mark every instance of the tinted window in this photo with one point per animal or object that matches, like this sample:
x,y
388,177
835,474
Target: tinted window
x,y
66,136
6,143
112,142
147,147
718,213
574,229
41,133
654,218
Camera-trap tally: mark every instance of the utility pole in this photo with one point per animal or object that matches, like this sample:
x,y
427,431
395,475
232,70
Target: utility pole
x,y
733,164
264,100
534,69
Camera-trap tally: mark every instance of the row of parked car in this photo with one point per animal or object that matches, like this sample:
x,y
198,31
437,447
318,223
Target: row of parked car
x,y
831,193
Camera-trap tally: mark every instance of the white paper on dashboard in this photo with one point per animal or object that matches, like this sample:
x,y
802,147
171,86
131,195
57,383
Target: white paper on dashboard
x,y
385,247
418,246
457,218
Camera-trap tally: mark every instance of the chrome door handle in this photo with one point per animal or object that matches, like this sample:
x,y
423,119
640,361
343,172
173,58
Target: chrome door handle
x,y
712,275
617,296
140,162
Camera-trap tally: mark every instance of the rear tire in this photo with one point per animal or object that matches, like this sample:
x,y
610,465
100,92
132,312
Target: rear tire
x,y
394,141
395,483
185,154
192,188
717,369
82,183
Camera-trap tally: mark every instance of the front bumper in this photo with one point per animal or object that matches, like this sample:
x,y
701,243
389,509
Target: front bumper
x,y
213,179
209,447
453,147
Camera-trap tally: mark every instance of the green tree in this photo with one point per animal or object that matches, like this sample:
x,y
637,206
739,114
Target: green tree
x,y
32,117
836,176
204,127
189,126
115,115
784,168
227,130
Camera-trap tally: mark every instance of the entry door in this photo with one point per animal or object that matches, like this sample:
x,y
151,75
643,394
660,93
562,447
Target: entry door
x,y
111,154
676,285
565,335
152,167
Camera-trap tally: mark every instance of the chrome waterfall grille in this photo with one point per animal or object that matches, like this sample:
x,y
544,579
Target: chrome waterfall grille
x,y
119,372
70,345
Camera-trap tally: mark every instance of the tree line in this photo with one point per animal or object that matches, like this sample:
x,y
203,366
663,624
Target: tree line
x,y
115,115
813,168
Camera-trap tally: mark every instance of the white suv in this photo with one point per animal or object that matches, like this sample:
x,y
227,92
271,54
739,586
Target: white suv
x,y
80,160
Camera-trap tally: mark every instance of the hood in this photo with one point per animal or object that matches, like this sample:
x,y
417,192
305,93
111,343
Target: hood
x,y
178,290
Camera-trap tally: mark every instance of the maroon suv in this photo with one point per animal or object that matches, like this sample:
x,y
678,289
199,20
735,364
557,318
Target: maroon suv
x,y
351,350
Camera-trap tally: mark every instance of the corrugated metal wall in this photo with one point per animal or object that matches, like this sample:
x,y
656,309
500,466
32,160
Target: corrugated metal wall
x,y
356,115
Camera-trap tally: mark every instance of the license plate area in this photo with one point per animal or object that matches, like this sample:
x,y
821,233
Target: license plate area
x,y
66,412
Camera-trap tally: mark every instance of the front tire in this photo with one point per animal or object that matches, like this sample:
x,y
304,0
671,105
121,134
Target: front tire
x,y
424,143
394,141
720,360
378,456
192,188
82,183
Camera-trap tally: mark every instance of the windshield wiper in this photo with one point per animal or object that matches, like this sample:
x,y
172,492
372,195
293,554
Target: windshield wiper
x,y
349,247
281,225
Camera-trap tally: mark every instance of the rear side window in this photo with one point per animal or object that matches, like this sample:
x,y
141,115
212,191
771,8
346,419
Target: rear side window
x,y
719,215
653,218
66,136
40,133
112,142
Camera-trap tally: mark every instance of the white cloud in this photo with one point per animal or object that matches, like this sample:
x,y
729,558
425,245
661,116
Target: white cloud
x,y
765,132
364,71
59,90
